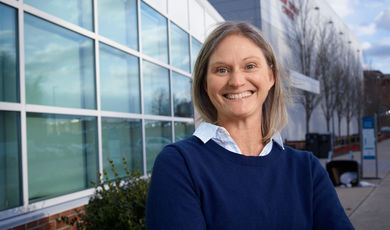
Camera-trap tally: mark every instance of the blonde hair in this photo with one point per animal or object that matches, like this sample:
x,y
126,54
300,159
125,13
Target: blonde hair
x,y
274,115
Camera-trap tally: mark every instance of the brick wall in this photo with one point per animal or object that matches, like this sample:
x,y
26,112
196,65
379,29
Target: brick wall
x,y
50,223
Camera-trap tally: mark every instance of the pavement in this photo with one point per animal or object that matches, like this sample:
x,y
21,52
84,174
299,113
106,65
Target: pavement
x,y
368,207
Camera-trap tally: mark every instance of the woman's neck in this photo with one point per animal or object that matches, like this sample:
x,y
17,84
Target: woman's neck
x,y
247,134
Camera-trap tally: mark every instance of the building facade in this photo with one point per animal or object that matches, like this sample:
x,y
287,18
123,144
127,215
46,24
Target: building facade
x,y
84,81
275,19
377,97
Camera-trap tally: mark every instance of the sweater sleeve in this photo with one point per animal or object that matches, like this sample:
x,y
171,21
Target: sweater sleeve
x,y
172,202
328,211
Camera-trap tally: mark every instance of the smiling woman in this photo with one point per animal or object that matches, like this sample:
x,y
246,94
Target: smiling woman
x,y
238,79
234,172
253,57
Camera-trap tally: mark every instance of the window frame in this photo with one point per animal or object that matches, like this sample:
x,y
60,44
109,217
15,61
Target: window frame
x,y
53,205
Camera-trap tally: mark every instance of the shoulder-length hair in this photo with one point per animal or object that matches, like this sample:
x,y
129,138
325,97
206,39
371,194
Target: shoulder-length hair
x,y
274,115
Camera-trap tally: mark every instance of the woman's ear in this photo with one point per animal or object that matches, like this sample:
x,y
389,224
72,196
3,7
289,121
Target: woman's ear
x,y
272,74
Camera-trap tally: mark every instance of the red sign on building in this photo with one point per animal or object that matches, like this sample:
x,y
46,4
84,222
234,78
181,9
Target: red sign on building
x,y
289,9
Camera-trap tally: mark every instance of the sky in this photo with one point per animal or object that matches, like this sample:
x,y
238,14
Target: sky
x,y
369,20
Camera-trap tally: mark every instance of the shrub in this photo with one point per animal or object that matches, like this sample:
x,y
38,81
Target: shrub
x,y
116,204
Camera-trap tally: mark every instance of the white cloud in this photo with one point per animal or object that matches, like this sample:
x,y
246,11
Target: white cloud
x,y
383,19
372,4
385,41
366,45
369,29
367,66
380,49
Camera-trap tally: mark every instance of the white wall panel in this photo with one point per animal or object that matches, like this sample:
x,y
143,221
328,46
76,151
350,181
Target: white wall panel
x,y
271,12
210,23
197,22
178,12
296,127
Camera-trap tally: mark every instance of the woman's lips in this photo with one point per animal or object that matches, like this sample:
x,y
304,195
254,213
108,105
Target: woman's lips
x,y
233,96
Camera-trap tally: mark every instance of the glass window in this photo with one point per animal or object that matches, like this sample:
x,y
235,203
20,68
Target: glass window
x,y
122,138
9,77
62,154
157,135
156,89
10,175
119,81
182,102
183,130
59,66
122,14
196,46
180,49
154,33
78,12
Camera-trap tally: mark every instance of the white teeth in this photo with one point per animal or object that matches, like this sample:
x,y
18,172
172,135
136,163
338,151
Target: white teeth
x,y
238,95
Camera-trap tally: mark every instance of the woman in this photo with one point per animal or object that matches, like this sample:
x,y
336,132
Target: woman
x,y
234,172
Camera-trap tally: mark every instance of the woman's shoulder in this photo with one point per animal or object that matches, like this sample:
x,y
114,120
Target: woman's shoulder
x,y
180,148
191,141
296,153
302,157
184,144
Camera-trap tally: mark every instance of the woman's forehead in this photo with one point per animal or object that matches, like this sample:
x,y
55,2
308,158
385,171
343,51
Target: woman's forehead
x,y
236,47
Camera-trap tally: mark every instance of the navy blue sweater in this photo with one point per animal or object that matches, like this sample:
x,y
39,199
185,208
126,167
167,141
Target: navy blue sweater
x,y
204,186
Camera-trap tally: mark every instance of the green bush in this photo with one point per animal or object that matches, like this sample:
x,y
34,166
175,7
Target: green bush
x,y
116,204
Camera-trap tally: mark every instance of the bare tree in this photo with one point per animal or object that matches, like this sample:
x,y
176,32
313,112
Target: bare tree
x,y
348,100
348,97
353,91
339,72
358,102
327,53
302,37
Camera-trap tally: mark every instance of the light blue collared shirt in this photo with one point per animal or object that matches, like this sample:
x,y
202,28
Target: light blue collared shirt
x,y
221,136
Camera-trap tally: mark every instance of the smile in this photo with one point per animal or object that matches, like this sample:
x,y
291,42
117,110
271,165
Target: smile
x,y
232,96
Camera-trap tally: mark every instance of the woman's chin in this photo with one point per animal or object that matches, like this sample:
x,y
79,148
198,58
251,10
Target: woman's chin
x,y
239,115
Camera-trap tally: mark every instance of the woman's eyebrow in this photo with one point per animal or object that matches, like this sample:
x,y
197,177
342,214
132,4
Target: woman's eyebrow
x,y
251,57
218,63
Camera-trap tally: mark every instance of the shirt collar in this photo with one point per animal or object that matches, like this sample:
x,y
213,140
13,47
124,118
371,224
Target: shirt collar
x,y
207,131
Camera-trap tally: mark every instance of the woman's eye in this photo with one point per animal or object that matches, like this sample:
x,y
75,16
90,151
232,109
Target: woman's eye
x,y
221,70
250,66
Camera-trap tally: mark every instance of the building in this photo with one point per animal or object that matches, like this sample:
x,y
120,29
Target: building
x,y
276,19
377,96
83,81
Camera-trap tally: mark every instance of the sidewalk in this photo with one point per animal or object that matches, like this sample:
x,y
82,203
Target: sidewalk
x,y
369,207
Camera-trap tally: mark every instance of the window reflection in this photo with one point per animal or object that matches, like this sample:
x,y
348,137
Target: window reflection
x,y
61,154
180,50
119,81
59,66
154,33
78,12
195,48
122,14
156,89
181,86
10,177
183,130
9,77
157,135
122,138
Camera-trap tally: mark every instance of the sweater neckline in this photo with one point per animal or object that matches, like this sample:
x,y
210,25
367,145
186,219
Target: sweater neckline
x,y
273,156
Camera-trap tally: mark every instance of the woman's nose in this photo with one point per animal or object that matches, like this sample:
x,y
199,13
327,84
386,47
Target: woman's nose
x,y
236,78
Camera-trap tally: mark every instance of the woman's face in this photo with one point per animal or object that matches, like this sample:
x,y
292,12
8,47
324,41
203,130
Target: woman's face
x,y
238,79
